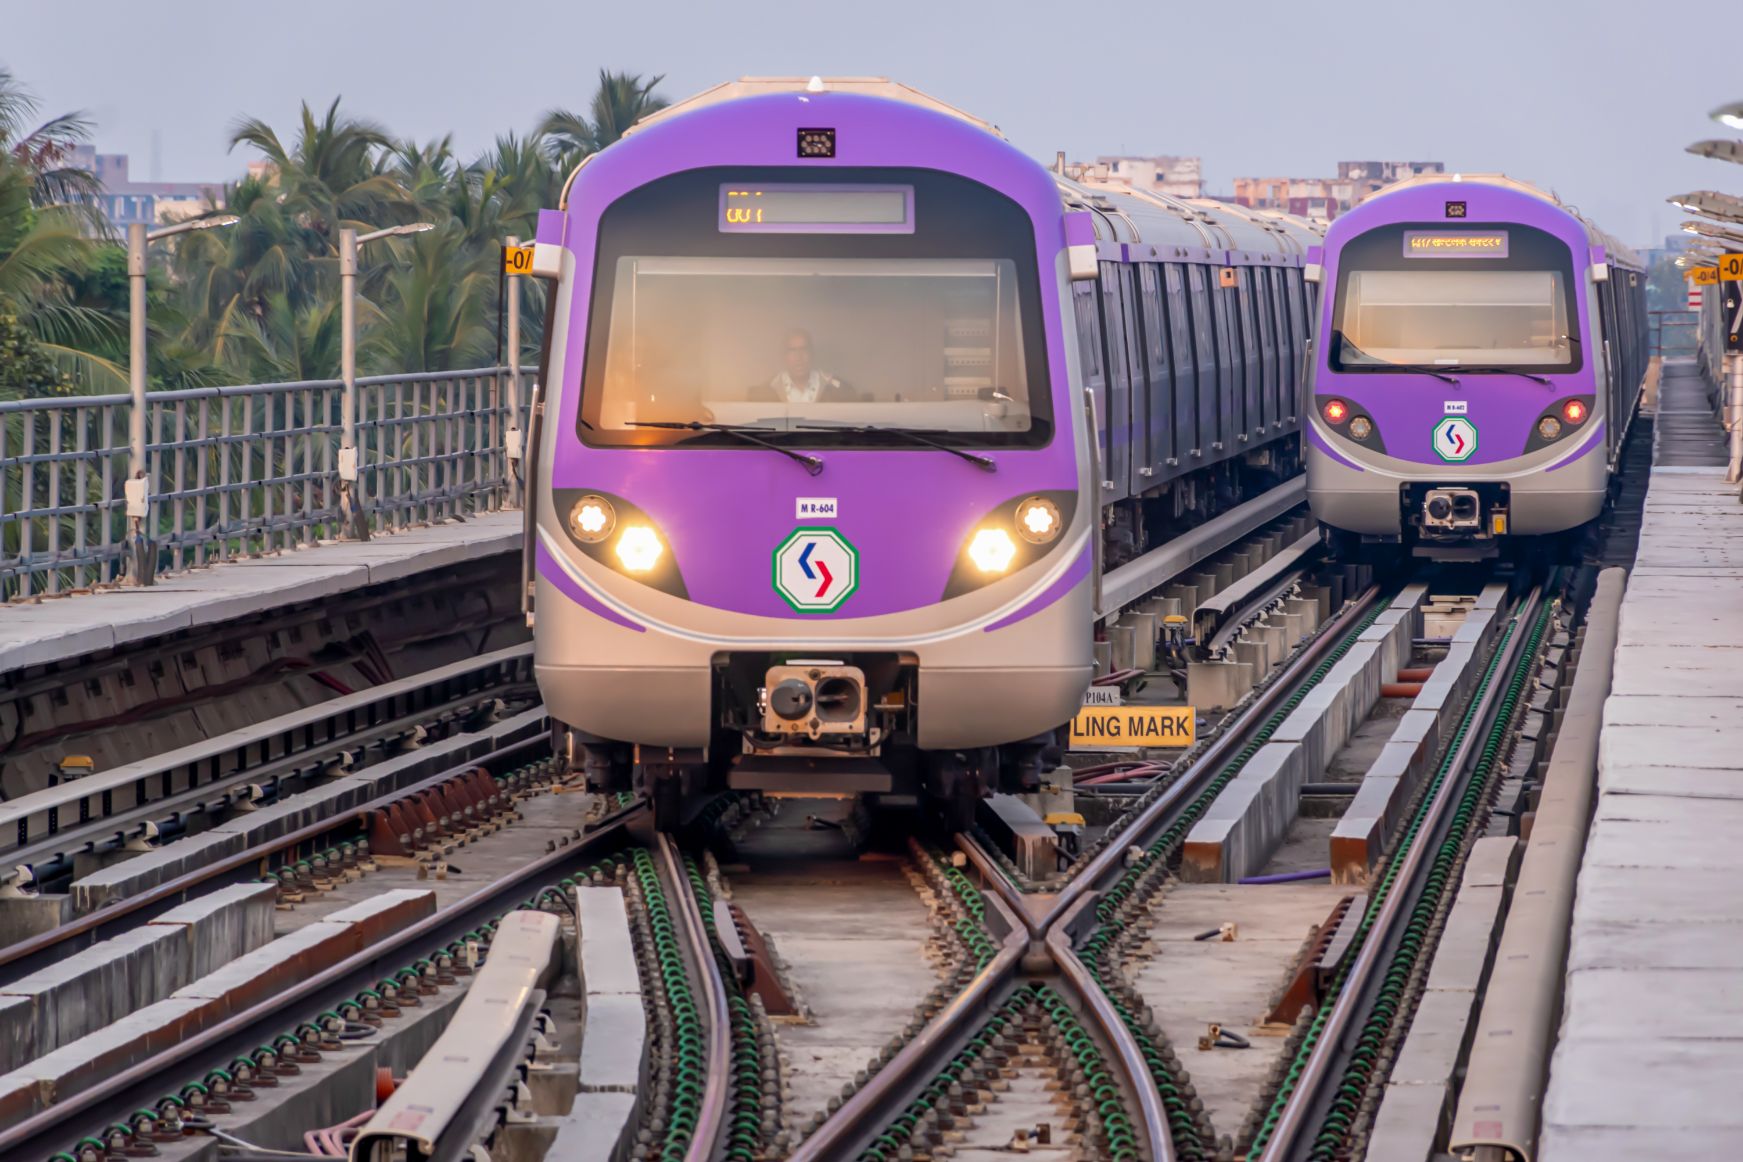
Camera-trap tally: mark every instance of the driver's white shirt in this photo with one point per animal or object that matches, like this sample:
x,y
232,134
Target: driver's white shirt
x,y
785,388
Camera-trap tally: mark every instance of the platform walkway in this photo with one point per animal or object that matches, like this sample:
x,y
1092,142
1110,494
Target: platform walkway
x,y
1649,1063
59,628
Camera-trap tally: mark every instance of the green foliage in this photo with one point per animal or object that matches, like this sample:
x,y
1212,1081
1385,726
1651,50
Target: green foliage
x,y
26,371
258,301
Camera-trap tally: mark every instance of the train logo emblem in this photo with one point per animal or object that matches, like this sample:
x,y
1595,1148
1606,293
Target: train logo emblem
x,y
1455,439
816,570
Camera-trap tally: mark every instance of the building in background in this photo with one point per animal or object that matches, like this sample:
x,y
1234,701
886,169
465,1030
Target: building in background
x,y
125,201
1178,177
1326,198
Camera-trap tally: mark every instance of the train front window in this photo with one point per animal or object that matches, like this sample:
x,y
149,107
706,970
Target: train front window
x,y
794,344
1482,298
814,337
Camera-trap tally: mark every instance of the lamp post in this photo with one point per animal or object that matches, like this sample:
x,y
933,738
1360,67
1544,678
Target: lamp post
x,y
512,440
142,559
353,522
1710,204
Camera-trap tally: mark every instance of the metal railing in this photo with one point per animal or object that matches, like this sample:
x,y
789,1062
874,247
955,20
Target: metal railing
x,y
239,471
1673,333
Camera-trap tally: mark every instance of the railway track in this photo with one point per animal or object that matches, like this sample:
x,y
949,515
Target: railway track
x,y
48,837
1042,1024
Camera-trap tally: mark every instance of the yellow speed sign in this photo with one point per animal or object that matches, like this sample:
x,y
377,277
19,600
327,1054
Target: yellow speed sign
x,y
1731,268
517,259
1703,275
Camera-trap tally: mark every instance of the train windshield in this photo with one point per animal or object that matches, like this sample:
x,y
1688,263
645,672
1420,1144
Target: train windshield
x,y
815,339
1403,302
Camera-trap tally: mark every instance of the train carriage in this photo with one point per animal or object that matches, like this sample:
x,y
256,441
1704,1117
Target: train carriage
x,y
844,403
1479,360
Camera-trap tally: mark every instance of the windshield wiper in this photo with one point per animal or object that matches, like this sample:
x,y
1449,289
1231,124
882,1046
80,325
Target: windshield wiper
x,y
813,464
1507,371
916,435
1418,368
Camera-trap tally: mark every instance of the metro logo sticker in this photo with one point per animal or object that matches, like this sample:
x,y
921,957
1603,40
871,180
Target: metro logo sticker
x,y
1455,439
816,570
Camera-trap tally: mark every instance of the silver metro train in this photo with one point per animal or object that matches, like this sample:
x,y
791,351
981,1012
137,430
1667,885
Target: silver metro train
x,y
845,402
1477,363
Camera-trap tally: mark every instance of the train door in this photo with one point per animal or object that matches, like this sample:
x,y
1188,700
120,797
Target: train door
x,y
1249,352
1298,316
1117,467
1233,410
1160,386
1261,293
1187,447
1611,348
1087,308
1213,434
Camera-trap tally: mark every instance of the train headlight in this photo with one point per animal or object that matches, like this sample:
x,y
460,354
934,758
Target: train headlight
x,y
992,550
1336,411
1574,411
639,549
1549,427
1361,427
1011,537
1038,520
592,519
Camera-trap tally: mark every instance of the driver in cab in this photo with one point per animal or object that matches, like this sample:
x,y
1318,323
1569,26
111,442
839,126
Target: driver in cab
x,y
801,382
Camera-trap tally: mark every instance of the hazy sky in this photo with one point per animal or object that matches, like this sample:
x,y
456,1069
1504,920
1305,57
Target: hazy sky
x,y
1594,98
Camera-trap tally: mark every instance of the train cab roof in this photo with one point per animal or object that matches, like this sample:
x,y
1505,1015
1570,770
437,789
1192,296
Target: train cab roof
x,y
1170,227
1614,248
763,86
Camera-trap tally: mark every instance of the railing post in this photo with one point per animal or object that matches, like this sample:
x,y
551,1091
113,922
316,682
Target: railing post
x,y
353,522
512,434
1733,414
141,559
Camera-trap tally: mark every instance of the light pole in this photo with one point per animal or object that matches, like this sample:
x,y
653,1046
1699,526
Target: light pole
x,y
142,559
352,520
1710,204
512,441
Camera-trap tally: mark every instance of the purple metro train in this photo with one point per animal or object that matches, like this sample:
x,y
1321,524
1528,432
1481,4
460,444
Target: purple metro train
x,y
844,404
1478,360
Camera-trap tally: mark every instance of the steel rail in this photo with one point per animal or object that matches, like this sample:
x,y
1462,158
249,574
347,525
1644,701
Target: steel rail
x,y
83,1114
1500,1105
1100,1010
39,951
881,1100
717,1090
1296,1118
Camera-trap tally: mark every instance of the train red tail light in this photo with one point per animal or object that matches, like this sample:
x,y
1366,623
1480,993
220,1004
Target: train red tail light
x,y
1573,411
1336,411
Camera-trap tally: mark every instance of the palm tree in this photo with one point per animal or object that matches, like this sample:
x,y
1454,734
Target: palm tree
x,y
621,100
334,176
44,151
46,222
